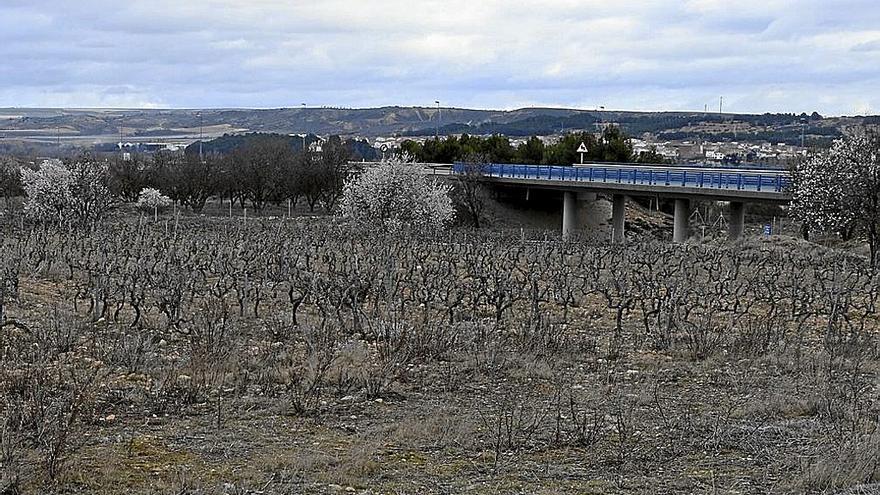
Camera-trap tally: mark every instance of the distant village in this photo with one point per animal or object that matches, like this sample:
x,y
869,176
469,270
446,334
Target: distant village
x,y
675,151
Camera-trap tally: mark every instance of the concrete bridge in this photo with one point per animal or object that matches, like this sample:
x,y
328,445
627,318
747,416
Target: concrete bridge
x,y
582,183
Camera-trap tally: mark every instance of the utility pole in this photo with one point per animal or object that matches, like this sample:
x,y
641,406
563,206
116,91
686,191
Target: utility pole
x,y
721,105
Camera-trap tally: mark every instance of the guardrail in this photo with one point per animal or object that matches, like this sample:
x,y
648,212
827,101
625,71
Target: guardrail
x,y
761,181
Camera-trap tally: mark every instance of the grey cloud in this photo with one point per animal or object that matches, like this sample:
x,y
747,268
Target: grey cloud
x,y
868,46
767,55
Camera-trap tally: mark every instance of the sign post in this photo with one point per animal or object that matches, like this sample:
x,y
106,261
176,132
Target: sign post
x,y
582,149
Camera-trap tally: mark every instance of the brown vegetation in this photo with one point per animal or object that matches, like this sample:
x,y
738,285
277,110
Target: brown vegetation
x,y
298,356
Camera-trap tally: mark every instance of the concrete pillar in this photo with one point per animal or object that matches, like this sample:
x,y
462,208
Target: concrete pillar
x,y
618,219
737,220
569,214
592,214
579,214
680,229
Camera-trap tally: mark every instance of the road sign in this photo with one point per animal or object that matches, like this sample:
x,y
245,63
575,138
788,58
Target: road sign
x,y
768,229
582,149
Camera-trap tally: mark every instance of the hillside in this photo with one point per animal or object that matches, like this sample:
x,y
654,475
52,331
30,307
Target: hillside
x,y
95,125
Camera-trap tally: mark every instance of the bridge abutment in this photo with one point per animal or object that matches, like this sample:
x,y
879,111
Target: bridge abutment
x,y
681,220
737,220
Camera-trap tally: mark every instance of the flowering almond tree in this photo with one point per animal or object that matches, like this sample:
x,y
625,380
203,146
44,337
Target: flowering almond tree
x,y
71,193
152,201
839,189
396,195
49,192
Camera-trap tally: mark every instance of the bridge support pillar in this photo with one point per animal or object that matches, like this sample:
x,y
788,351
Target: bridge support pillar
x,y
680,228
591,211
618,219
570,214
737,220
579,215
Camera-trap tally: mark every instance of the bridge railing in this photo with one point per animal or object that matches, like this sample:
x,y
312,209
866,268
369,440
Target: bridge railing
x,y
764,180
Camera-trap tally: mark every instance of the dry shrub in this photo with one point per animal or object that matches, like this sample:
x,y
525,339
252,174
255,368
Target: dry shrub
x,y
345,465
46,408
134,351
445,428
48,393
854,462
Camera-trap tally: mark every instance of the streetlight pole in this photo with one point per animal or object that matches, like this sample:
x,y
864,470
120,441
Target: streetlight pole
x,y
439,117
304,134
201,137
803,131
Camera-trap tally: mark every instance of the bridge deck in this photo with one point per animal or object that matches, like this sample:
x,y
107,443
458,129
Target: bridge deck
x,y
753,184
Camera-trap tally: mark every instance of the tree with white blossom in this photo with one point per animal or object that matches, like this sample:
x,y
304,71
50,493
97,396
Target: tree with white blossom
x,y
152,201
838,189
396,195
74,193
48,190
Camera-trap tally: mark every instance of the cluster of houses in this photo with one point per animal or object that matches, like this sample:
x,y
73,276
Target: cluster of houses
x,y
673,151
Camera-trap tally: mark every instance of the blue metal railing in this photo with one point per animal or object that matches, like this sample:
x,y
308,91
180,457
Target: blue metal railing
x,y
769,180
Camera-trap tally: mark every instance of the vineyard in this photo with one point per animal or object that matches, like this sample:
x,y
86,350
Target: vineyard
x,y
301,356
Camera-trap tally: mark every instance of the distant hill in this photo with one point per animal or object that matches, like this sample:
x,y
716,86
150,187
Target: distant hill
x,y
97,125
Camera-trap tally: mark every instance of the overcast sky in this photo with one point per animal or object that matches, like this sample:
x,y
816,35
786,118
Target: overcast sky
x,y
761,55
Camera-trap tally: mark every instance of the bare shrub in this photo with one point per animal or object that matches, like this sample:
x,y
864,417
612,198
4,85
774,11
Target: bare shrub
x,y
49,411
513,421
850,464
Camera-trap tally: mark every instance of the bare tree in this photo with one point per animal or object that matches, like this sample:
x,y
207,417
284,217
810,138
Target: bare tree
x,y
469,193
10,179
259,167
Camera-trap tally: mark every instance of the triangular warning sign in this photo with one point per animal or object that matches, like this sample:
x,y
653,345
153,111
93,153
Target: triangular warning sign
x,y
582,148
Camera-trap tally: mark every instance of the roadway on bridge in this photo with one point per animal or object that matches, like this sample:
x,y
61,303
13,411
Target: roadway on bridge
x,y
726,184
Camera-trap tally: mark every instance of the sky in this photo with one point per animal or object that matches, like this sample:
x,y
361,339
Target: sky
x,y
760,55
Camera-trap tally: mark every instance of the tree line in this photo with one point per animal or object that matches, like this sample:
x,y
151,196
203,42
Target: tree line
x,y
265,170
612,145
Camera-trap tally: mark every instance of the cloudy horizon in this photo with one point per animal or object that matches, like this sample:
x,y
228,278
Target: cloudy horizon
x,y
767,56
